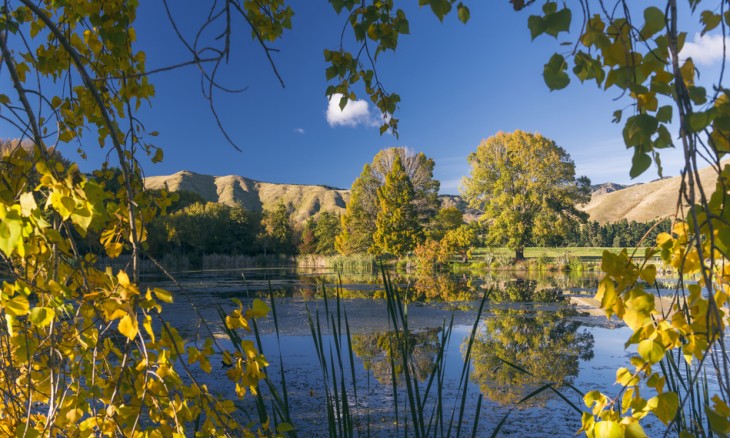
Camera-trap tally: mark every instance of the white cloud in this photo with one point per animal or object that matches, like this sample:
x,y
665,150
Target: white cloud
x,y
299,130
356,112
704,50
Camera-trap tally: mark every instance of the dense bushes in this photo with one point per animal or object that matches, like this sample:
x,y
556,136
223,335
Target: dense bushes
x,y
194,228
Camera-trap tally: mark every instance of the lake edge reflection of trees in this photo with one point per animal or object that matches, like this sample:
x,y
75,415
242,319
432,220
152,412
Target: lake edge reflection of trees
x,y
520,349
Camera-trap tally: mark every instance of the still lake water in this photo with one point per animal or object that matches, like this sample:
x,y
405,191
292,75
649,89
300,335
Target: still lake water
x,y
554,342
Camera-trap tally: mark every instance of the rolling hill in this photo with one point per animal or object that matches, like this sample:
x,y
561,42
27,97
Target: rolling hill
x,y
303,201
642,202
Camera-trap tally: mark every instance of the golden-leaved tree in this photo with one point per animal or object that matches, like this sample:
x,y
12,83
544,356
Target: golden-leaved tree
x,y
526,186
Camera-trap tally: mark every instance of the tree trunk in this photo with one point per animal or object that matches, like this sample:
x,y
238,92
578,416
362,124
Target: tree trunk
x,y
519,254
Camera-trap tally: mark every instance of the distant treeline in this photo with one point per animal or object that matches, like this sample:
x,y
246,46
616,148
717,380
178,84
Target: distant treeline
x,y
619,234
195,228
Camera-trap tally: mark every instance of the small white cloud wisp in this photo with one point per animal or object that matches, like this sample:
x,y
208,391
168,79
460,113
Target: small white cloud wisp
x,y
299,130
356,112
705,49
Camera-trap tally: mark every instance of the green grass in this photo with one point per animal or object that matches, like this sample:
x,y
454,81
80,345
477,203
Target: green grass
x,y
588,253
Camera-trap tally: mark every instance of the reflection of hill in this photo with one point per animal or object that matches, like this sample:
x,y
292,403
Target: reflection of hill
x,y
381,354
546,345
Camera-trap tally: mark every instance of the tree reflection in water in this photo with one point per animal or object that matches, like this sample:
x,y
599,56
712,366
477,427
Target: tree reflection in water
x,y
445,287
376,350
544,343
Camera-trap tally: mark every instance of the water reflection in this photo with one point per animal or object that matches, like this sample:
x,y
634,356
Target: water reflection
x,y
546,345
446,287
381,354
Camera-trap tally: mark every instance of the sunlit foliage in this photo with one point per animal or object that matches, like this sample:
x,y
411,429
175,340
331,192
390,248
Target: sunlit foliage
x,y
525,184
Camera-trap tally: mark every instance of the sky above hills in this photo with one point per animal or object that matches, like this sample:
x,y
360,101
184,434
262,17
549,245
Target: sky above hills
x,y
459,84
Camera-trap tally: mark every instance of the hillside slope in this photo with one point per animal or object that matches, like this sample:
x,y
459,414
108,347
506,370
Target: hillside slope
x,y
643,202
303,201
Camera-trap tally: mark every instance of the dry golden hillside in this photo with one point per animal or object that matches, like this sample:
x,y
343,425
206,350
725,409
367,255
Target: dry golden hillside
x,y
643,202
303,201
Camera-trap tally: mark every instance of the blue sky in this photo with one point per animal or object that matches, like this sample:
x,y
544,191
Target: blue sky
x,y
459,84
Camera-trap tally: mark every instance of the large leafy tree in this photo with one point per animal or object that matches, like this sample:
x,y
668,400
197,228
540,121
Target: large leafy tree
x,y
397,230
525,184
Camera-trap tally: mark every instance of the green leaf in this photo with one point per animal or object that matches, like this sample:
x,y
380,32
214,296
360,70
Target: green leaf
x,y
440,8
710,20
664,114
549,8
42,316
463,13
337,5
698,95
647,124
654,21
558,22
639,163
158,156
284,427
718,423
698,121
555,74
617,116
536,25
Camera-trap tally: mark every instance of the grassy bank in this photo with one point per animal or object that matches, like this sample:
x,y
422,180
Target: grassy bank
x,y
587,253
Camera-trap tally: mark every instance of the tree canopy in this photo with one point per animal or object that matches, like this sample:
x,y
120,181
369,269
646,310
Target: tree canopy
x,y
365,204
397,230
525,184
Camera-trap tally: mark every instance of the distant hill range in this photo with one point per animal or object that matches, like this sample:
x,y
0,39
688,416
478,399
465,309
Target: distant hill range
x,y
610,202
303,201
641,202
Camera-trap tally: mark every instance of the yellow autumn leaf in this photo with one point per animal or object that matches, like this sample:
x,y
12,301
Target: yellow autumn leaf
x,y
128,327
123,279
163,295
17,306
608,429
259,309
